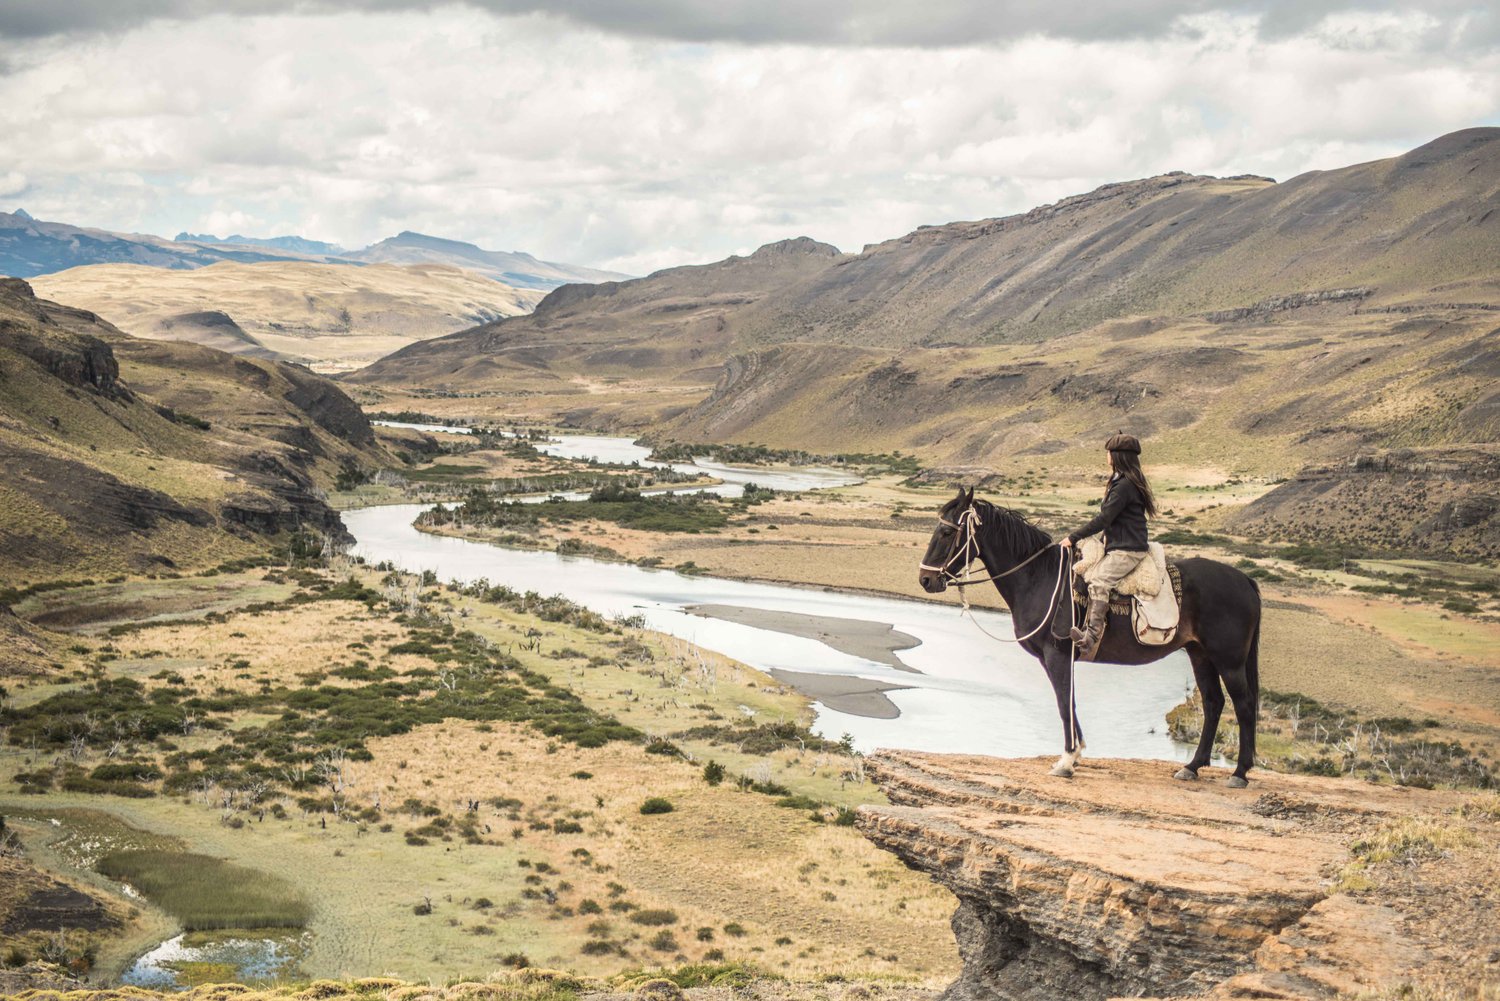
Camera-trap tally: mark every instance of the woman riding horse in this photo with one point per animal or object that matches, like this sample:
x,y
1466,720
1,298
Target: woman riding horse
x,y
1218,625
1122,519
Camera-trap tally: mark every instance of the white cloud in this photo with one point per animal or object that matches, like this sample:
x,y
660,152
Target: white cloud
x,y
525,132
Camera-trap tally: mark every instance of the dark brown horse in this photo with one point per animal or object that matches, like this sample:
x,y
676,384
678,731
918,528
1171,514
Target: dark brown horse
x,y
1219,626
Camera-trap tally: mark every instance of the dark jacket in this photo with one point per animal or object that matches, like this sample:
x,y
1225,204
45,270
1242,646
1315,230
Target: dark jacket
x,y
1121,517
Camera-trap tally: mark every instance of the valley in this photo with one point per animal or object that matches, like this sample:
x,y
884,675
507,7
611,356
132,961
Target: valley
x,y
564,654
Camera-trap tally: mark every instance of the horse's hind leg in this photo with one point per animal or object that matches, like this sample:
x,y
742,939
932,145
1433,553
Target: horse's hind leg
x,y
1246,706
1213,707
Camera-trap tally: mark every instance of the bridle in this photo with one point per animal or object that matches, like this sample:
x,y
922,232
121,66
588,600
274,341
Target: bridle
x,y
968,523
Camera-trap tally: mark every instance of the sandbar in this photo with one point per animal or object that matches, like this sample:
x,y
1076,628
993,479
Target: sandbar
x,y
876,641
844,692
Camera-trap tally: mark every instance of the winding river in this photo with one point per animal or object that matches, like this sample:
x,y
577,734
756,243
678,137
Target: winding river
x,y
964,692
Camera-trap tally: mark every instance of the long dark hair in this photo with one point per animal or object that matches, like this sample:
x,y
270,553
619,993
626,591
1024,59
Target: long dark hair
x,y
1128,465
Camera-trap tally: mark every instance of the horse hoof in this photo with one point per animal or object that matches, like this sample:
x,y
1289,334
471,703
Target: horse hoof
x,y
1062,771
1186,775
1235,782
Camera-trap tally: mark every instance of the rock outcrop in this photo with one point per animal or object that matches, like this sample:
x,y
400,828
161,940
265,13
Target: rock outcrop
x,y
1122,882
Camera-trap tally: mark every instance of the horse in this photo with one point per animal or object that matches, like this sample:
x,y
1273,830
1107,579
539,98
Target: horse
x,y
1219,625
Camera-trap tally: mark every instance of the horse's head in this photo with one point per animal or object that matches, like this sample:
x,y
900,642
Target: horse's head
x,y
951,548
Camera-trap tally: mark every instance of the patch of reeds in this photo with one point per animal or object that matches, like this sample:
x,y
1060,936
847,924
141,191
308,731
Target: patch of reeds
x,y
205,893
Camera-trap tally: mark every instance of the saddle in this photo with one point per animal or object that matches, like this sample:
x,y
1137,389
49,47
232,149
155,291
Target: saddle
x,y
1152,608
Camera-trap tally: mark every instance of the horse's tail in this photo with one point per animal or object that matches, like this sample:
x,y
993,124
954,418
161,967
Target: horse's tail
x,y
1252,658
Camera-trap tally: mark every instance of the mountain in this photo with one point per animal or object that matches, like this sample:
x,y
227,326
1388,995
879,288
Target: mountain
x,y
1237,324
29,248
330,316
512,268
128,456
1397,235
674,325
295,244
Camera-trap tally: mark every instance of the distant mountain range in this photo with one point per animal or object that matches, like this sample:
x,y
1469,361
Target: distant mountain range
x,y
30,247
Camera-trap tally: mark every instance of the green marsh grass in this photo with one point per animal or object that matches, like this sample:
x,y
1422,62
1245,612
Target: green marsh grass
x,y
206,893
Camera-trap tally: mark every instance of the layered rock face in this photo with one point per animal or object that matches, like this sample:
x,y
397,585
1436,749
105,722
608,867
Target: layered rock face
x,y
1123,882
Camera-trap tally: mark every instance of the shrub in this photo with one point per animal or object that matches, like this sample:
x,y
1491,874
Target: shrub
x,y
589,906
799,802
713,773
735,930
657,804
598,947
663,941
654,916
705,934
561,826
518,960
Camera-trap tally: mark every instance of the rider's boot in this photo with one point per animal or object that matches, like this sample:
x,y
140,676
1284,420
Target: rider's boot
x,y
1088,638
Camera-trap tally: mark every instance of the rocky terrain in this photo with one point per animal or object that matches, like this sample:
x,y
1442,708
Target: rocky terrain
x,y
1125,883
125,455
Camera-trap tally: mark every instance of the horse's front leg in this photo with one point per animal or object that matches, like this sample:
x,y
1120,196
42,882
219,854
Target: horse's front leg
x,y
1060,672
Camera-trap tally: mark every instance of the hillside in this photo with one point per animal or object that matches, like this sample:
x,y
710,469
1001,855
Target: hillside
x,y
673,326
1237,324
1414,231
331,316
133,456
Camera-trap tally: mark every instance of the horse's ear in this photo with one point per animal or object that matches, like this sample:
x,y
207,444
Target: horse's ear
x,y
969,497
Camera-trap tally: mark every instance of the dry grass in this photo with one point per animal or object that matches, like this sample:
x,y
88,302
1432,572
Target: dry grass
x,y
335,315
722,857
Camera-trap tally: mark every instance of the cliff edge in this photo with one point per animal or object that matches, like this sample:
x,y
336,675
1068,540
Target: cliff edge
x,y
1123,882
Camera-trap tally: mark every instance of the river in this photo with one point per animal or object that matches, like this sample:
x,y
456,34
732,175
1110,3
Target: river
x,y
965,693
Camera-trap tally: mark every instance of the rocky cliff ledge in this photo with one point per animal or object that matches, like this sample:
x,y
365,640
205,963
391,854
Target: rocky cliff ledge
x,y
1123,882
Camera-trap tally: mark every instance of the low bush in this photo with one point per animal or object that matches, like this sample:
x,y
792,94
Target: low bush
x,y
654,916
657,804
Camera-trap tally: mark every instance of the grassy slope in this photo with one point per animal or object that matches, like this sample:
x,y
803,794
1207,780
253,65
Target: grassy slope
x,y
108,480
723,856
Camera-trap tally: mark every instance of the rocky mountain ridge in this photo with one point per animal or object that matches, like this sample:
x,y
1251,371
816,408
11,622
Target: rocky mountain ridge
x,y
127,455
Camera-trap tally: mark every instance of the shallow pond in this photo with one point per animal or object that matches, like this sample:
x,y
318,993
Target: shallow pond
x,y
185,961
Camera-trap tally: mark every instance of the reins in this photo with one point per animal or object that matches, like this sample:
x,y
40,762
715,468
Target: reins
x,y
969,550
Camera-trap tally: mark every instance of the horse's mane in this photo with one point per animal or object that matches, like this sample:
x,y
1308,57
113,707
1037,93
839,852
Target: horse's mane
x,y
1011,529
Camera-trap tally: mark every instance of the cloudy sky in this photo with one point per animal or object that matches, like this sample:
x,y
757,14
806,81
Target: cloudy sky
x,y
637,134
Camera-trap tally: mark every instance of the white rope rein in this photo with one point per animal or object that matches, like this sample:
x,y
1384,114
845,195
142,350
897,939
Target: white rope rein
x,y
967,523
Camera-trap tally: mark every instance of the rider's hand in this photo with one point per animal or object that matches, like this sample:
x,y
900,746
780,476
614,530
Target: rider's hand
x,y
1066,543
